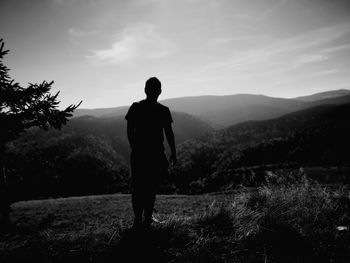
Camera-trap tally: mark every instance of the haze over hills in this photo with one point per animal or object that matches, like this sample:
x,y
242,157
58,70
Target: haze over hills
x,y
102,112
317,136
330,101
89,155
223,111
95,150
324,95
230,109
186,127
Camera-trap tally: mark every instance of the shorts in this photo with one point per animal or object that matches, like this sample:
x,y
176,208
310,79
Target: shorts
x,y
148,170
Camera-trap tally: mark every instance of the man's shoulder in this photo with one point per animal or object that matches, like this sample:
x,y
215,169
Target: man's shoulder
x,y
163,107
133,109
165,113
135,104
144,103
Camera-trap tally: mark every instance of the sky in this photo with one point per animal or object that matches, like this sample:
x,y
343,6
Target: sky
x,y
103,51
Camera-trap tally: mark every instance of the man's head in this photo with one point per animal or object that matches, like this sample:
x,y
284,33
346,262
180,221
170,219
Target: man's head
x,y
153,88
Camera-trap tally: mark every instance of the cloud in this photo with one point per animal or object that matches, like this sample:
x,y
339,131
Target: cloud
x,y
272,10
279,52
309,58
74,32
134,43
326,72
245,39
71,2
335,49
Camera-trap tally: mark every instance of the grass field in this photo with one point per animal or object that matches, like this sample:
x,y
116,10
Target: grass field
x,y
83,228
302,222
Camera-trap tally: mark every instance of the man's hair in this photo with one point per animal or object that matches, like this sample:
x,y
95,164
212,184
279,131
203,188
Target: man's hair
x,y
153,86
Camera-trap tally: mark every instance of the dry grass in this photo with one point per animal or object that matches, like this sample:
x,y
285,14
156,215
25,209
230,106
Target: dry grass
x,y
293,223
81,227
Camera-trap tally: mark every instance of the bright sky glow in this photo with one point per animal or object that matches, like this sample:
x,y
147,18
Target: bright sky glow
x,y
102,51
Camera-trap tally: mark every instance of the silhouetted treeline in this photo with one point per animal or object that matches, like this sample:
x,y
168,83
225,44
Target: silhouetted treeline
x,y
88,156
81,161
244,153
56,164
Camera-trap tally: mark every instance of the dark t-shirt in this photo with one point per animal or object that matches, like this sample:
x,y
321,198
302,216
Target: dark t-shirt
x,y
149,120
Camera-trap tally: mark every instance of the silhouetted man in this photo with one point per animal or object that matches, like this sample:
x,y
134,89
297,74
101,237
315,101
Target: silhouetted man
x,y
147,119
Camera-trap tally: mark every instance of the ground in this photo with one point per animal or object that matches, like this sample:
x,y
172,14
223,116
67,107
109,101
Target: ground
x,y
83,228
301,221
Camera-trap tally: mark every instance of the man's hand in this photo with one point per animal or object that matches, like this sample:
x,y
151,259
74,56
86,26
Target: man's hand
x,y
169,134
131,134
173,159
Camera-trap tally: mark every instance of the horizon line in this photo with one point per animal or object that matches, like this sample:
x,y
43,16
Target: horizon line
x,y
209,95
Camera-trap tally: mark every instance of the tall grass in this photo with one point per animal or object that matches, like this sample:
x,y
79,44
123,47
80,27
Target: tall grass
x,y
294,222
291,219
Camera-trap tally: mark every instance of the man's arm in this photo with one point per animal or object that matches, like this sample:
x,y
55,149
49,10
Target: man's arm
x,y
171,141
131,134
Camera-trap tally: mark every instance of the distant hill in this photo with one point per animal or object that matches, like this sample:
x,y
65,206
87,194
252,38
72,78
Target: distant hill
x,y
102,112
324,95
186,127
231,109
220,111
316,136
89,155
223,111
330,101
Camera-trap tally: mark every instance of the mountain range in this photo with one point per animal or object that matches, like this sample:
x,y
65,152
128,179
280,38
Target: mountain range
x,y
223,111
186,127
242,153
215,152
324,95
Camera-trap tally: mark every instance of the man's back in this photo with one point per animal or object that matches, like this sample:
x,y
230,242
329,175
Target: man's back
x,y
149,120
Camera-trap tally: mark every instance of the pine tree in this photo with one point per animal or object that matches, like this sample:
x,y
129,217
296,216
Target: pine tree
x,y
20,109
